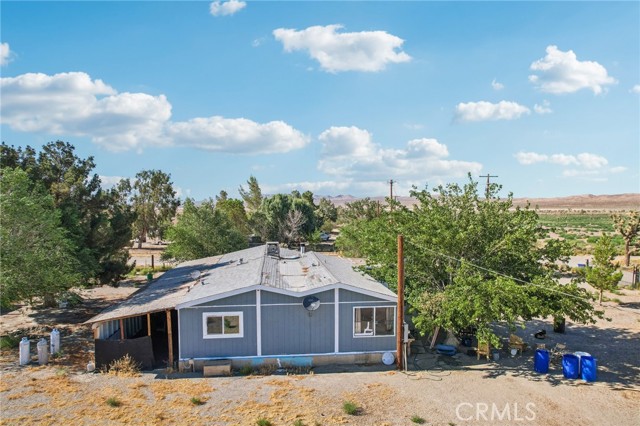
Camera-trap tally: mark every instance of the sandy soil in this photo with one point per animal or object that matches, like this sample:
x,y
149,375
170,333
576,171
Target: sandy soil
x,y
442,390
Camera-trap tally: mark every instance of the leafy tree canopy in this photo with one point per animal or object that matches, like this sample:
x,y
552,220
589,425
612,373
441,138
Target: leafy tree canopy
x,y
154,202
603,275
38,259
469,261
97,222
628,225
202,231
252,196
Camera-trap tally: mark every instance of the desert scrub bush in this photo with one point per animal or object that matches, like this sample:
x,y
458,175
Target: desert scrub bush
x,y
350,408
197,400
417,419
125,366
246,370
9,342
263,422
113,402
298,423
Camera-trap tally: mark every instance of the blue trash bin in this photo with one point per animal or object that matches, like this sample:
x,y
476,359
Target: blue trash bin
x,y
541,361
570,366
588,366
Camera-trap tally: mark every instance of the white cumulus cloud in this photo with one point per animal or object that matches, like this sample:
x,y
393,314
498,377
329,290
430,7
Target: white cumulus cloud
x,y
351,154
5,54
341,51
496,85
635,89
545,108
74,104
225,8
485,111
237,135
583,165
561,72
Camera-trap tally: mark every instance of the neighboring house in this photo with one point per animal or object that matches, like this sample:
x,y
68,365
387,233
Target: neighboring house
x,y
262,304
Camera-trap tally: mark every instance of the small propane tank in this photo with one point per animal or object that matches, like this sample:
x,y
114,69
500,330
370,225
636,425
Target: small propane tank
x,y
43,351
91,367
25,351
55,341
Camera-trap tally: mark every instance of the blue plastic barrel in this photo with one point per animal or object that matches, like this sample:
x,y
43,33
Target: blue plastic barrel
x,y
570,366
541,361
588,367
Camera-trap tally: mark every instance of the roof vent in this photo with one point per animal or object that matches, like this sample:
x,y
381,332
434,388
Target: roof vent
x,y
303,248
240,261
273,249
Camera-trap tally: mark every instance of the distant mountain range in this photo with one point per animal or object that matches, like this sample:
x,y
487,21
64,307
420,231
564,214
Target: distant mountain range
x,y
575,202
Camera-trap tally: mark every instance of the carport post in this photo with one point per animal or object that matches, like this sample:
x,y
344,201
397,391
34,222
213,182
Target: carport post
x,y
148,324
170,338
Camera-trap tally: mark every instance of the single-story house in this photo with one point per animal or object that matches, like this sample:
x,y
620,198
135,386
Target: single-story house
x,y
262,304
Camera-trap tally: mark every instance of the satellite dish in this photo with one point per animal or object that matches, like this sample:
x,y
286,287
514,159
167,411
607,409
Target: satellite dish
x,y
195,275
311,303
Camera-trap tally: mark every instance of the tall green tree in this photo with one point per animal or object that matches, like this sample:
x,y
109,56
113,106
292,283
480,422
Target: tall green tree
x,y
252,196
628,226
235,212
154,202
38,259
202,231
470,260
603,275
326,214
98,222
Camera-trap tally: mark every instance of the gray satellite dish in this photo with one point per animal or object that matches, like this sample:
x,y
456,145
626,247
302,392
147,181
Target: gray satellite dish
x,y
311,303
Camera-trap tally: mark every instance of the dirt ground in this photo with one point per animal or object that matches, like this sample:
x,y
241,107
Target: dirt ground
x,y
441,390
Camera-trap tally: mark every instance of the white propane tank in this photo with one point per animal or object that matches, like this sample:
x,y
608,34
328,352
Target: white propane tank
x,y
43,351
91,367
55,341
25,351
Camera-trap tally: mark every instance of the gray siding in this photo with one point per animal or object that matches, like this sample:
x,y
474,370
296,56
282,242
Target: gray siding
x,y
292,330
248,298
269,297
193,345
348,343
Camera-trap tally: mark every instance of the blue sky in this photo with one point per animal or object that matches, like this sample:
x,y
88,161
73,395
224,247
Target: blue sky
x,y
334,97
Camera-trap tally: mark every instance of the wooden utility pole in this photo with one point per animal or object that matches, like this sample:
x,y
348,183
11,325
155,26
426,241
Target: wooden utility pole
x,y
400,308
488,176
170,338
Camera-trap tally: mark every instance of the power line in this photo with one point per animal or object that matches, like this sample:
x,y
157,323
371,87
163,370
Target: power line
x,y
499,273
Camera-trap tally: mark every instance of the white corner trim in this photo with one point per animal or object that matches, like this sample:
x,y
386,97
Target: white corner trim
x,y
258,323
336,320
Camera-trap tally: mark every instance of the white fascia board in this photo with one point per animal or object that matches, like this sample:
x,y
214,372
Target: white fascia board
x,y
286,293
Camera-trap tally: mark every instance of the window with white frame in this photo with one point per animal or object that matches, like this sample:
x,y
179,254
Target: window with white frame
x,y
216,325
374,321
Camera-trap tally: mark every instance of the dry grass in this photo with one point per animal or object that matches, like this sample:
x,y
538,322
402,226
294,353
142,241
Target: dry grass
x,y
124,367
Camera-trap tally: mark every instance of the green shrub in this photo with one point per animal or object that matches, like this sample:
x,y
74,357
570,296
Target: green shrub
x,y
350,408
197,401
298,423
9,342
113,402
246,370
417,419
263,422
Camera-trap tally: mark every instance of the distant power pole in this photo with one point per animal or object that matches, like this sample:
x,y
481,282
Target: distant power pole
x,y
488,176
391,182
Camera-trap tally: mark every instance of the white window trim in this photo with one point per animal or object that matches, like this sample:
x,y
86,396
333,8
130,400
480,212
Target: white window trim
x,y
361,335
206,315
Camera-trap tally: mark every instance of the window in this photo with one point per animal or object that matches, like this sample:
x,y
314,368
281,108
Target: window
x,y
374,321
222,325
